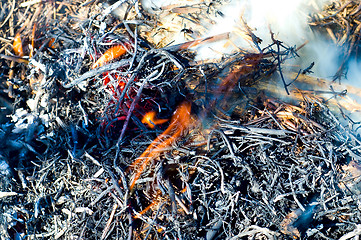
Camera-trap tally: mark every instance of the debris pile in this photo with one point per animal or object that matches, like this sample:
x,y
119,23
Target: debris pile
x,y
116,133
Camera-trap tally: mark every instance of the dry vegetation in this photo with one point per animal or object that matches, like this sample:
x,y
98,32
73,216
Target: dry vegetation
x,y
117,133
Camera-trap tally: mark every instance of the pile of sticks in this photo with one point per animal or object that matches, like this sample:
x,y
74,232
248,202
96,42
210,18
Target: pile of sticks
x,y
116,133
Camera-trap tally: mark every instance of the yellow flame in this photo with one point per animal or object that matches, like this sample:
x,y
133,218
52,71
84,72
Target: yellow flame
x,y
151,120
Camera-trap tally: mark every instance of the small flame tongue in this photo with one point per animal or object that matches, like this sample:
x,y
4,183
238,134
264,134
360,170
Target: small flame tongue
x,y
17,45
151,120
181,120
112,53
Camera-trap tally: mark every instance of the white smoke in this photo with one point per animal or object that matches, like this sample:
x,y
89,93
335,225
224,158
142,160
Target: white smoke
x,y
289,21
354,72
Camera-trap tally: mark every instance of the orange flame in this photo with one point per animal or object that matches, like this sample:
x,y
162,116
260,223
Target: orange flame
x,y
145,209
112,53
180,121
18,46
51,43
151,120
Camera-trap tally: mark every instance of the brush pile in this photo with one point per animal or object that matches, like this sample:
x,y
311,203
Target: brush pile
x,y
116,132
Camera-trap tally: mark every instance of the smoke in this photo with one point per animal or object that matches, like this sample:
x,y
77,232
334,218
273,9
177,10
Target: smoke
x,y
157,4
289,21
354,72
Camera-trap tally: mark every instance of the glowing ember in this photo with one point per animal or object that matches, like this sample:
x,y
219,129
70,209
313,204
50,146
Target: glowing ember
x,y
151,120
117,87
180,121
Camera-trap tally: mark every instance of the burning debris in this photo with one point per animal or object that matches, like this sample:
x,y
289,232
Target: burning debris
x,y
117,131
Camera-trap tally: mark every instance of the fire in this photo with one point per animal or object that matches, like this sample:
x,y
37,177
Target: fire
x,y
18,46
146,209
181,120
114,88
112,53
151,120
